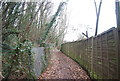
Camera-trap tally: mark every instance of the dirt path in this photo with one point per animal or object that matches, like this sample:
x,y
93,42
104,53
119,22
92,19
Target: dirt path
x,y
62,67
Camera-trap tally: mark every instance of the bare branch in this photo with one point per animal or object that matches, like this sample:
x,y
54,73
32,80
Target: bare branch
x,y
95,6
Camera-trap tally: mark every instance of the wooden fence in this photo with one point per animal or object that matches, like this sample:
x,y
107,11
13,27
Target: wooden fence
x,y
99,55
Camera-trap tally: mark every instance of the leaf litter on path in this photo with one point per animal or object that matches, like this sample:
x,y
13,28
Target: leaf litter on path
x,y
63,67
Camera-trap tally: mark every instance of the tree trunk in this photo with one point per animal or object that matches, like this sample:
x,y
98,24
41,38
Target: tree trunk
x,y
117,3
98,14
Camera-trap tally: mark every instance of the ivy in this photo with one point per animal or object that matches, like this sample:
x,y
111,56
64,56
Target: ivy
x,y
20,57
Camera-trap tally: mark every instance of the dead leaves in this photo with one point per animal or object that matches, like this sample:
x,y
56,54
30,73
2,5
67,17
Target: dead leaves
x,y
62,67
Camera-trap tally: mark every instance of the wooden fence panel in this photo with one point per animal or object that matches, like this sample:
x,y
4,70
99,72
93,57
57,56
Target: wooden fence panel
x,y
99,55
105,59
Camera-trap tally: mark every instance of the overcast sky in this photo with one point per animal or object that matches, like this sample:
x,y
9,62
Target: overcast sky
x,y
82,17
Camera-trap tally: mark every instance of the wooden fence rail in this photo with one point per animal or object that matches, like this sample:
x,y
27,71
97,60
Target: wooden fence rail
x,y
99,55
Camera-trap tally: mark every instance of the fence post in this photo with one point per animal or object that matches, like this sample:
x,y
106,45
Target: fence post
x,y
117,49
107,55
101,56
92,58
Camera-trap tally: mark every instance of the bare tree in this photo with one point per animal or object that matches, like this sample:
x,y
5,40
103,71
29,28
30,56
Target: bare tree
x,y
97,14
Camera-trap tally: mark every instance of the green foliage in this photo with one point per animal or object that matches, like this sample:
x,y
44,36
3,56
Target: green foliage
x,y
24,24
18,60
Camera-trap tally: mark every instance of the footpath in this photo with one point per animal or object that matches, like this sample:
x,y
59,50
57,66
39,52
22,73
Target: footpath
x,y
63,67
